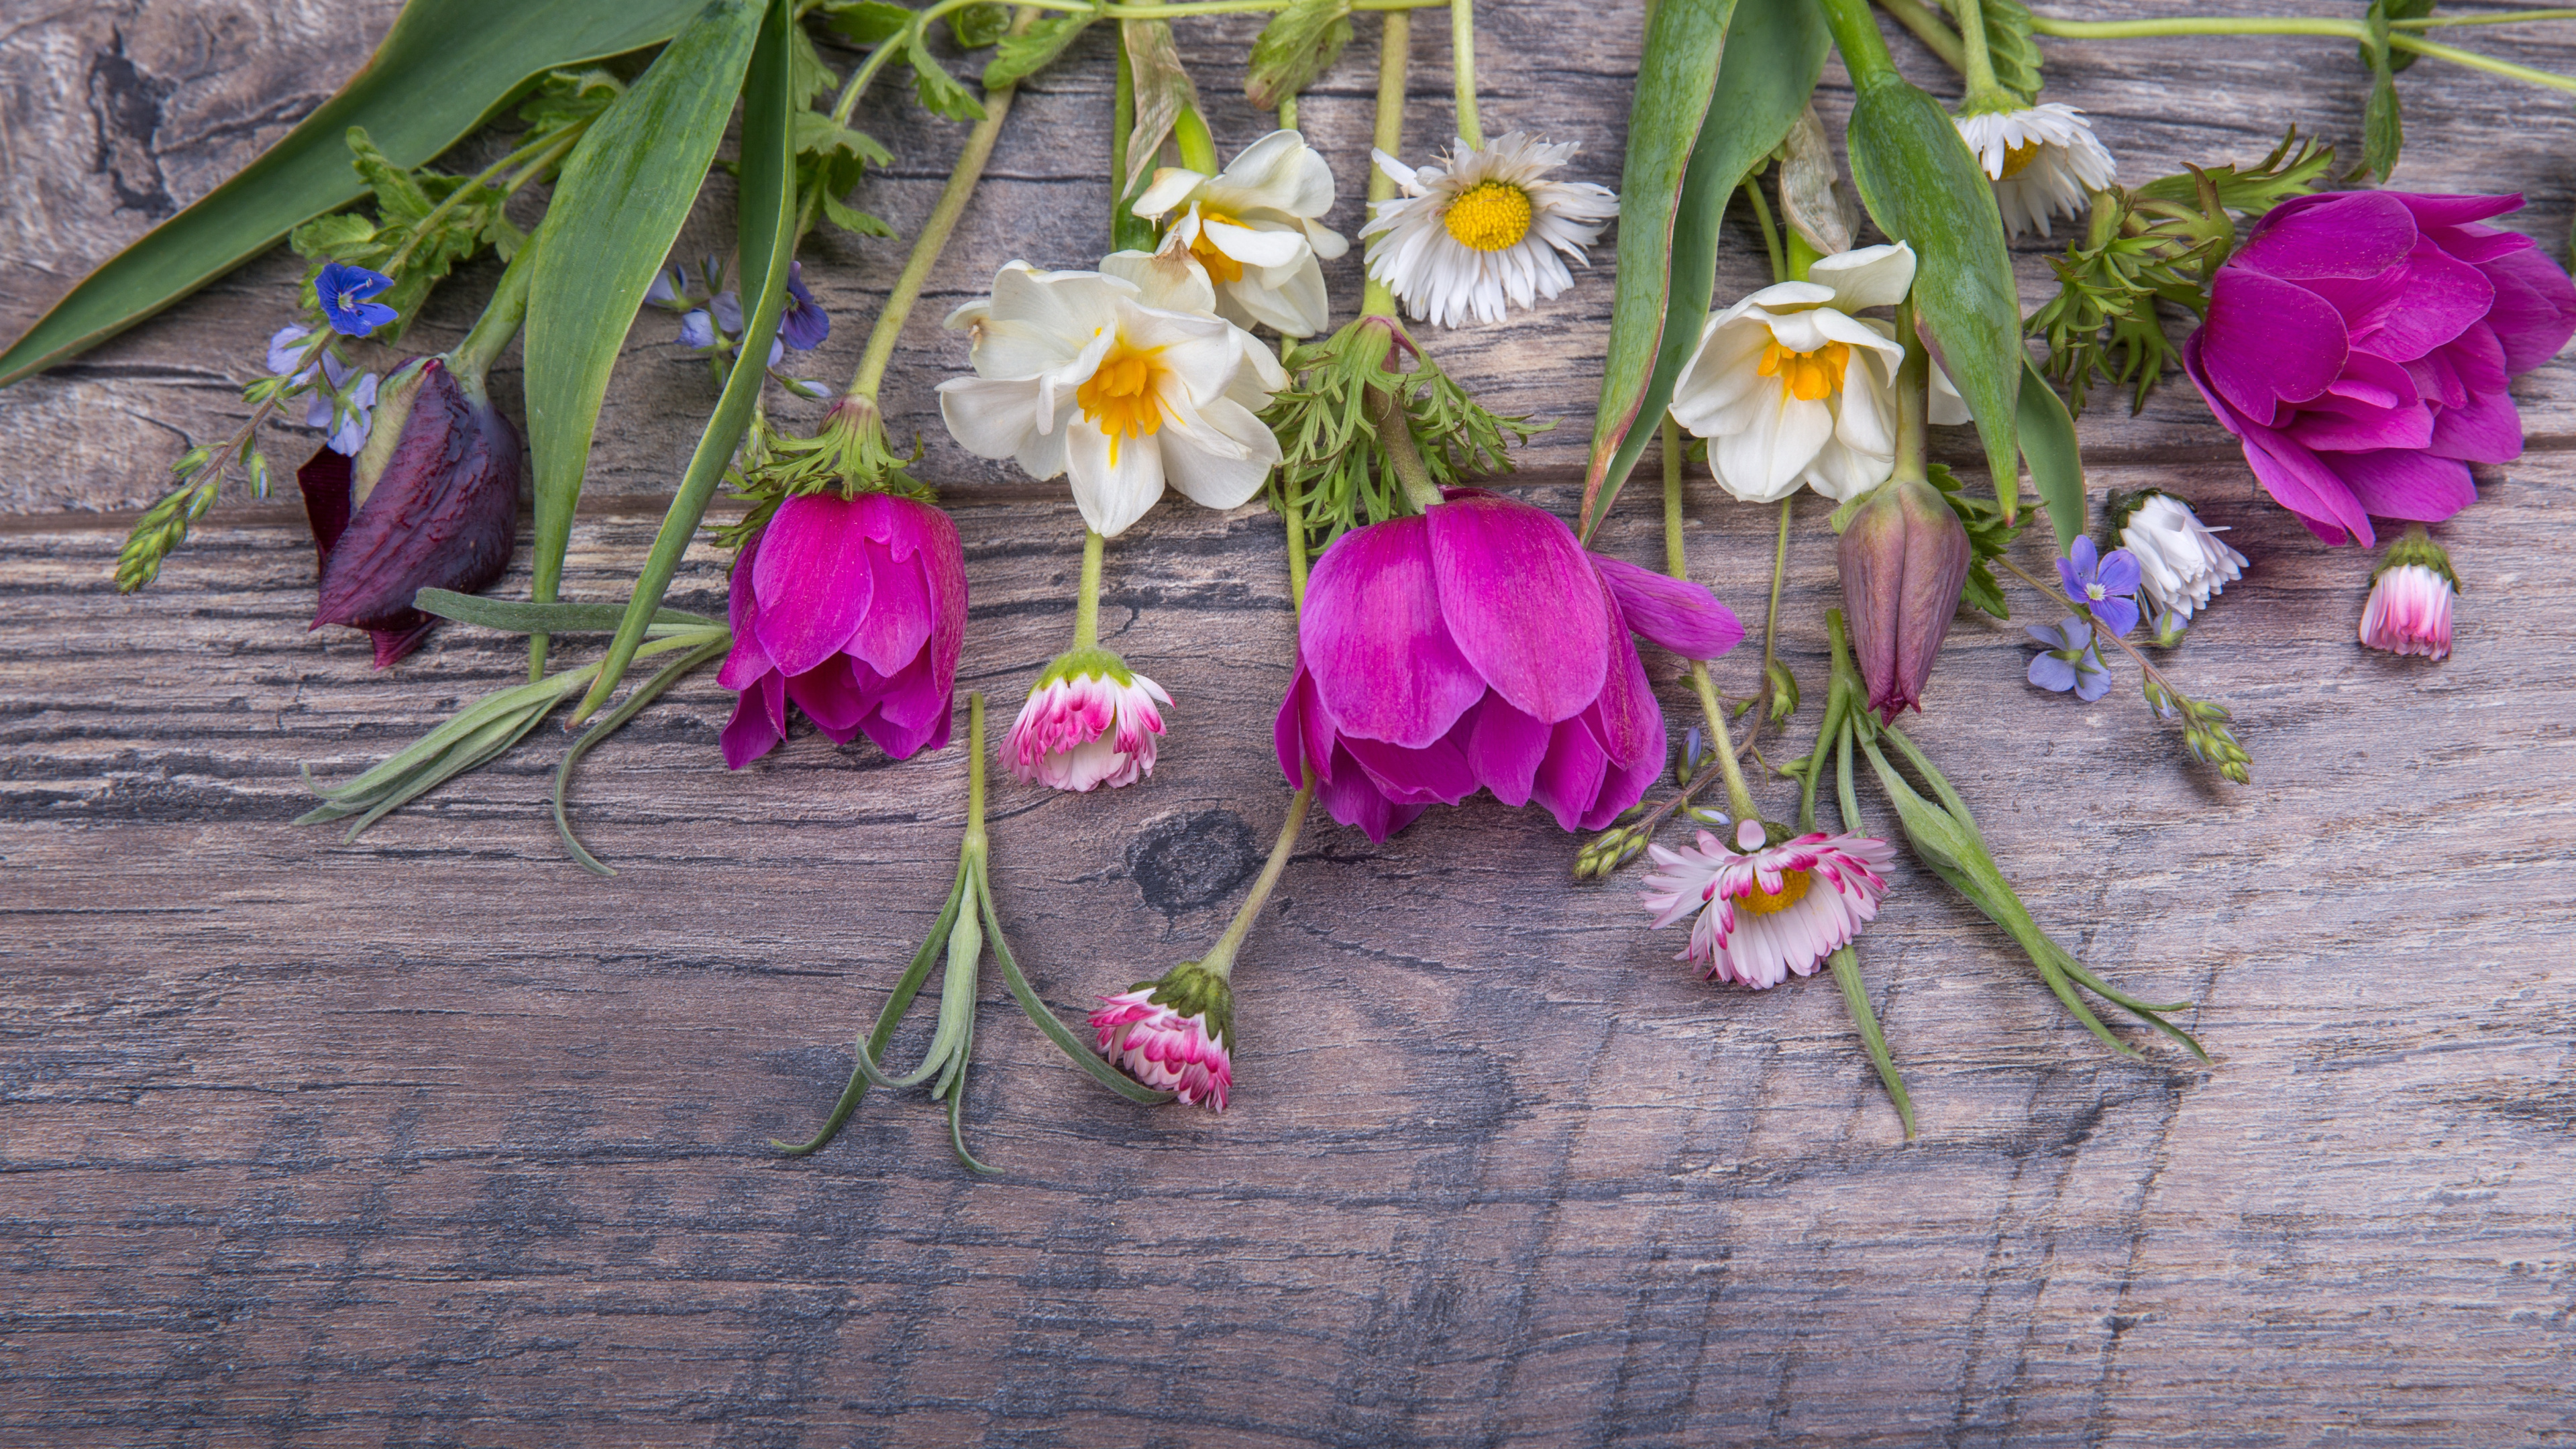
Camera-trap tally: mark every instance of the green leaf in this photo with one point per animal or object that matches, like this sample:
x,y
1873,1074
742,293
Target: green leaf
x,y
939,92
2047,434
1722,82
2383,11
620,203
765,232
1034,49
513,617
441,71
866,23
977,26
1300,43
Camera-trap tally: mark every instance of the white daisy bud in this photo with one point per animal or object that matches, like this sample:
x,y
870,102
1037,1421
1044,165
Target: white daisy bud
x,y
2042,160
2181,563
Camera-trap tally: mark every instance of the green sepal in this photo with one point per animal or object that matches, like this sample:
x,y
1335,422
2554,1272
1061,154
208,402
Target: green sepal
x,y
2416,547
1095,662
1192,990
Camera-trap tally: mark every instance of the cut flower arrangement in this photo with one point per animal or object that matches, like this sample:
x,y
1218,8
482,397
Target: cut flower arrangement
x,y
1452,639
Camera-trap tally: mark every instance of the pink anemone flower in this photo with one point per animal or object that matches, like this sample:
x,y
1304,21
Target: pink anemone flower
x,y
855,609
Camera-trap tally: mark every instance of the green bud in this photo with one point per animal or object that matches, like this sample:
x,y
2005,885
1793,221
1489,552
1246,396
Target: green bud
x,y
1784,691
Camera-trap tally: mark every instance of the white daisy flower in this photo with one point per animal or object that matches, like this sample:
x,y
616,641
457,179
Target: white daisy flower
x,y
1252,229
1768,910
1484,230
2041,159
1791,388
2181,563
1078,373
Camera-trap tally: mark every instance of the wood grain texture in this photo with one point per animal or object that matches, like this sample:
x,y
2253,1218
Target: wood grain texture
x,y
432,1140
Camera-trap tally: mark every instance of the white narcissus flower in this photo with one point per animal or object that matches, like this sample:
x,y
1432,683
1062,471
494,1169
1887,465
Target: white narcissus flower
x,y
2041,159
1767,910
1081,374
1252,230
2181,563
1789,387
1484,231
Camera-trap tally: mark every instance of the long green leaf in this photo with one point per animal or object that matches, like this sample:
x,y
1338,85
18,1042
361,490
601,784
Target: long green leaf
x,y
441,71
513,617
1924,188
765,230
1770,53
2048,445
621,201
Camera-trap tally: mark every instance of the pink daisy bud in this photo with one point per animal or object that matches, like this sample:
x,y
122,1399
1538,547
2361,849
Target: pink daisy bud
x,y
1173,1034
1090,721
1766,910
2410,599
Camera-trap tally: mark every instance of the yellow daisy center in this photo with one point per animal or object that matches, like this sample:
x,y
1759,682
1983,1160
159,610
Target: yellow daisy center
x,y
1120,396
1220,267
1793,889
1810,375
2017,157
1489,216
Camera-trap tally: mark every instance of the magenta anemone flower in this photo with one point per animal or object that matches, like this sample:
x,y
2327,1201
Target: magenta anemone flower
x,y
2360,343
1481,646
855,609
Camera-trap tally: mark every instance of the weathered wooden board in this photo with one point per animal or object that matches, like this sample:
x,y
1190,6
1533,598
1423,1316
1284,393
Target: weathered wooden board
x,y
431,1139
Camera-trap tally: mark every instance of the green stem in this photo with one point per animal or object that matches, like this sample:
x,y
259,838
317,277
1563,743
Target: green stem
x,y
1927,25
1856,37
471,359
1220,957
2489,64
2492,17
1122,127
1977,63
1376,299
1779,572
1675,564
1770,231
1462,66
2352,30
1802,255
1913,402
1288,113
1395,439
1086,602
977,842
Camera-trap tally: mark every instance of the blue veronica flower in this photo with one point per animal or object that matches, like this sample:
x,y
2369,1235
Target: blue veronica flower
x,y
2067,661
344,291
345,406
803,322
697,331
2102,584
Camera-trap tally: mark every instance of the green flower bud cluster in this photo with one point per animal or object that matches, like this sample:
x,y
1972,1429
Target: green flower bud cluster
x,y
2206,729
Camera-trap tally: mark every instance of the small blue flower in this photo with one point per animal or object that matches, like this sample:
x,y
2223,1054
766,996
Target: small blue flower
x,y
344,407
285,349
344,290
803,322
2068,661
2102,585
697,331
728,310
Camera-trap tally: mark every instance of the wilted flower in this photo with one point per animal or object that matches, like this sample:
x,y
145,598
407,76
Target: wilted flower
x,y
2181,563
2410,599
431,502
2066,660
2104,584
2360,342
1480,645
1483,231
855,609
1090,721
1253,230
1173,1034
1766,910
1904,560
1078,374
343,289
1790,388
2041,160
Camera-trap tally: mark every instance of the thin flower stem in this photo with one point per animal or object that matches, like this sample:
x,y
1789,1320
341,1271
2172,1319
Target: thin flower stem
x,y
2353,30
1927,26
1977,63
976,840
1377,299
1670,438
1462,66
2492,17
1779,572
1770,232
1293,513
1395,439
1914,403
1122,125
2489,64
472,358
1288,113
1220,957
1086,603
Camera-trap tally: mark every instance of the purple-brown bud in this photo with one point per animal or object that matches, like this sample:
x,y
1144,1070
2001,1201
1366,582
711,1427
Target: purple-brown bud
x,y
1904,560
431,502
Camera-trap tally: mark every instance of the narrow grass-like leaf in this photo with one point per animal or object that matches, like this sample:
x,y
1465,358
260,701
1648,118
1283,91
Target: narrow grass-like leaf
x,y
626,710
874,1044
2047,435
1048,1022
620,203
511,616
1721,83
442,70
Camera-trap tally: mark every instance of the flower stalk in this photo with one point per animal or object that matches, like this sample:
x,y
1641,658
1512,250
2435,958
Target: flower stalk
x,y
1462,65
1376,298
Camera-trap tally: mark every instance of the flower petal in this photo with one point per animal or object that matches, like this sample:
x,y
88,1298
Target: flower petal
x,y
1516,591
1373,642
1678,614
813,580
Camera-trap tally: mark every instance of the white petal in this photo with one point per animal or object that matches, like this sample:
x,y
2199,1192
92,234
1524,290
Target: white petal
x,y
1868,277
1171,279
1256,247
1221,461
1761,463
1170,187
1111,496
989,418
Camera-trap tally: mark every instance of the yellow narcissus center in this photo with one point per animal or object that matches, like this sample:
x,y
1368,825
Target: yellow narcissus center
x,y
1811,375
1793,889
2017,157
1120,397
1220,267
1489,216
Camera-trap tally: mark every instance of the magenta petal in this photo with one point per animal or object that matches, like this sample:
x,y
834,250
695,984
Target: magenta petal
x,y
1434,772
1301,732
1570,778
1681,616
2403,483
913,698
746,661
813,580
2535,311
1506,750
1621,787
2341,234
1516,592
1626,719
2287,470
758,723
2268,342
943,564
899,618
2485,429
1350,797
1373,642
2411,309
2432,210
2373,405
831,696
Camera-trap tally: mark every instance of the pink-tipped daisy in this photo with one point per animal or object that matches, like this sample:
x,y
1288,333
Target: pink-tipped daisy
x,y
1767,910
1091,721
1173,1034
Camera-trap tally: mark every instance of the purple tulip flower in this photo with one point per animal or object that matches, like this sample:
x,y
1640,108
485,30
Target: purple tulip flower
x,y
1904,560
2106,585
434,504
1481,646
2360,342
854,608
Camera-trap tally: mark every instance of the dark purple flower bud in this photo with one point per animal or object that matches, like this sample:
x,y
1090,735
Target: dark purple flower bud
x,y
431,503
1904,560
